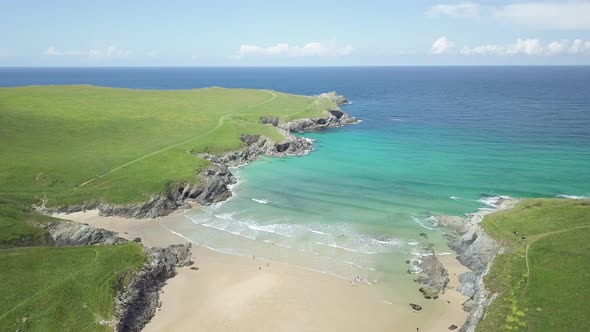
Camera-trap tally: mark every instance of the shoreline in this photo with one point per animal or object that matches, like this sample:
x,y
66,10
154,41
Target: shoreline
x,y
216,180
216,186
260,297
476,252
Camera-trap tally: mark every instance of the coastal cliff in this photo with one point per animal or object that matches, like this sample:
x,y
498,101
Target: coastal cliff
x,y
137,301
214,181
476,250
137,293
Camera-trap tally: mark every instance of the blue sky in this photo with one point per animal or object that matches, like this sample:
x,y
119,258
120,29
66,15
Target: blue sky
x,y
293,33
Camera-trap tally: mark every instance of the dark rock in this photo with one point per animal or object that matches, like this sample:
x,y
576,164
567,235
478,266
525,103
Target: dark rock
x,y
137,301
69,233
270,120
453,327
423,235
337,113
194,268
249,139
416,306
282,147
434,277
137,239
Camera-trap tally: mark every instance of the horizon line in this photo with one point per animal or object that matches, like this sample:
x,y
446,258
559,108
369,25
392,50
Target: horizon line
x,y
300,66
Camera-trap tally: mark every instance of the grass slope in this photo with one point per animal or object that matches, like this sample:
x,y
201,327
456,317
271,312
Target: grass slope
x,y
73,143
62,289
543,281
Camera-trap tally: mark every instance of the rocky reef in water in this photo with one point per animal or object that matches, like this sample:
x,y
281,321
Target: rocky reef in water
x,y
476,250
214,181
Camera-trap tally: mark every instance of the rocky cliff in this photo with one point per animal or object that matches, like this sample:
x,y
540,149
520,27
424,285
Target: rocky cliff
x,y
214,182
476,251
67,233
138,300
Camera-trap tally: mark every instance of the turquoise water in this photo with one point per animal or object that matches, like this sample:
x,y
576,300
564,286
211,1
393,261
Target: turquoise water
x,y
358,203
431,141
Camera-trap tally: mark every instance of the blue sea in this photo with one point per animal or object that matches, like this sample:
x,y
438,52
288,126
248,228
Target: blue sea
x,y
432,140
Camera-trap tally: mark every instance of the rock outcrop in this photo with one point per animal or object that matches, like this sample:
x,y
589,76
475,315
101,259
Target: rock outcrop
x,y
476,251
334,118
214,182
257,145
138,300
212,188
334,97
69,233
433,276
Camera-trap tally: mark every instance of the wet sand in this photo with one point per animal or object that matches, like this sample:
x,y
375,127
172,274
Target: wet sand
x,y
237,293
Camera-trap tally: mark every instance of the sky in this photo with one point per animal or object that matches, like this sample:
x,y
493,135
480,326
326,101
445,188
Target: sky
x,y
293,33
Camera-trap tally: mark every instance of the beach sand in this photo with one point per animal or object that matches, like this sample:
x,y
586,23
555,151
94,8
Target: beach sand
x,y
237,293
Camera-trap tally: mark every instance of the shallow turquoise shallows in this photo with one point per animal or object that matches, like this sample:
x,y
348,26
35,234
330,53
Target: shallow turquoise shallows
x,y
431,141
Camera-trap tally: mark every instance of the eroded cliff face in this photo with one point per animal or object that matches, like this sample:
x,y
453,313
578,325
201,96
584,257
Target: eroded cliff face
x,y
138,300
214,182
67,233
476,250
212,188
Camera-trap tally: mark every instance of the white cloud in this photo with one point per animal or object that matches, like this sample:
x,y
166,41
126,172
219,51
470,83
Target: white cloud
x,y
111,52
531,46
461,9
442,45
153,54
553,15
283,49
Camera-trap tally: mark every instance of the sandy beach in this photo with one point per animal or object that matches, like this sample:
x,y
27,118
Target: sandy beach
x,y
237,293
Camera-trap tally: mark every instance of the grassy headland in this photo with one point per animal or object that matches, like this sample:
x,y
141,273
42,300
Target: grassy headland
x,y
543,279
68,144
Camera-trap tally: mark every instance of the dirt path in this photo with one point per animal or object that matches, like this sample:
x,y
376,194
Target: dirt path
x,y
528,246
220,123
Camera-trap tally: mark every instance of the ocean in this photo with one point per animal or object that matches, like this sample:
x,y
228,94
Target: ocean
x,y
431,141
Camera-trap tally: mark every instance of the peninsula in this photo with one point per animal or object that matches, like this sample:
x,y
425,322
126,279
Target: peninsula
x,y
131,153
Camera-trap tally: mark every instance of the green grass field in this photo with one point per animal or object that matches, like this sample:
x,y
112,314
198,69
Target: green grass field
x,y
543,281
63,289
69,144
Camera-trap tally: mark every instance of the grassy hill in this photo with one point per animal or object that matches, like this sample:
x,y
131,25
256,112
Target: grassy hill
x,y
55,138
62,289
69,144
543,281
